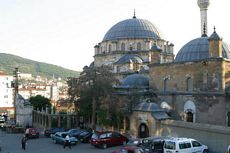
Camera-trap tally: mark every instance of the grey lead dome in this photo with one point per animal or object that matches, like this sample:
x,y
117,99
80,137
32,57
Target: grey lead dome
x,y
133,28
198,49
135,80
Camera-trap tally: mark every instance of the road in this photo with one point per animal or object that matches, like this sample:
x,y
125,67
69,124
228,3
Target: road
x,y
11,143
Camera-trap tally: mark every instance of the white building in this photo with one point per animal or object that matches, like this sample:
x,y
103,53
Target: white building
x,y
49,91
6,93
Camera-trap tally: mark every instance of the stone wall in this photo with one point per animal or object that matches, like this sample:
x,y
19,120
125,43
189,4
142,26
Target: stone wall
x,y
217,138
205,75
206,88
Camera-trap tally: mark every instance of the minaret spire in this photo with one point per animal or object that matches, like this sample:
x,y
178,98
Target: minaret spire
x,y
134,14
203,4
204,31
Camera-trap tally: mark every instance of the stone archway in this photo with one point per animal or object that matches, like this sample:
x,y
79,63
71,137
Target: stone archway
x,y
190,111
143,131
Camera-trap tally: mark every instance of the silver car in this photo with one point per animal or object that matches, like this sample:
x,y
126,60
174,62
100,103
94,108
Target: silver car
x,y
59,137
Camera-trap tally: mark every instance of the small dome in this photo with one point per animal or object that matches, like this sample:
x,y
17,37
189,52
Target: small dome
x,y
148,106
129,58
135,80
133,28
198,49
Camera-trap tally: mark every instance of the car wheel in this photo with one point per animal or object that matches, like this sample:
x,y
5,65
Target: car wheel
x,y
104,146
55,141
205,151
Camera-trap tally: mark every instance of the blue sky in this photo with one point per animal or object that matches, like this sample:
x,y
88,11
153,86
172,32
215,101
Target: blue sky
x,y
64,32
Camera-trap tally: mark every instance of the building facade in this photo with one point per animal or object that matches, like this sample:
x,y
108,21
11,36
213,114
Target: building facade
x,y
192,86
6,94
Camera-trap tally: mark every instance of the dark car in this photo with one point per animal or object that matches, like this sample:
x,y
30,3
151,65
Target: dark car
x,y
154,144
50,131
129,149
134,142
74,132
32,133
106,139
85,136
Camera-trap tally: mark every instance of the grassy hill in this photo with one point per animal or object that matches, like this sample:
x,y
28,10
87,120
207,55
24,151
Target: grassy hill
x,y
9,62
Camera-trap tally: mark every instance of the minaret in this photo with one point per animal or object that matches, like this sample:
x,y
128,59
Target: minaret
x,y
203,4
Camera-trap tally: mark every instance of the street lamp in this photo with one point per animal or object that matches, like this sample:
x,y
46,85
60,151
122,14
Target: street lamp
x,y
16,72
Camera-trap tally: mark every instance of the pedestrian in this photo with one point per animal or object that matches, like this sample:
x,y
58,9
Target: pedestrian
x,y
23,142
67,142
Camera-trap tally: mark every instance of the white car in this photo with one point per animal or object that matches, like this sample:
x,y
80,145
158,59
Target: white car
x,y
184,145
229,149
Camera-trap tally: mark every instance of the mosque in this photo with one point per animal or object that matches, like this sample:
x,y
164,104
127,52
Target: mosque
x,y
192,86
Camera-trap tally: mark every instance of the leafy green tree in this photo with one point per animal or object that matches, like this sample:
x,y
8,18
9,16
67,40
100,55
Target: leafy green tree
x,y
94,83
39,102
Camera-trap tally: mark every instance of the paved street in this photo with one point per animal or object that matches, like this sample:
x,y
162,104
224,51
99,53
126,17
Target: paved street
x,y
10,143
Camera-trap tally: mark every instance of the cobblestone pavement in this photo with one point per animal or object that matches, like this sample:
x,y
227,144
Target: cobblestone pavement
x,y
10,143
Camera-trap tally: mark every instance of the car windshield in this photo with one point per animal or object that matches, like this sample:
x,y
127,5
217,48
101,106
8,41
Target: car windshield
x,y
105,135
94,136
83,133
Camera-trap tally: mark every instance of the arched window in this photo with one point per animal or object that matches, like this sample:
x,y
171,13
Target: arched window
x,y
205,77
135,67
138,46
228,119
101,49
166,84
189,84
123,47
130,47
110,47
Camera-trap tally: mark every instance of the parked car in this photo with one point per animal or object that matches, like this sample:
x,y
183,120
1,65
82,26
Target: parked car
x,y
106,139
74,132
85,136
32,133
184,145
129,149
2,121
134,142
50,131
154,144
229,149
59,137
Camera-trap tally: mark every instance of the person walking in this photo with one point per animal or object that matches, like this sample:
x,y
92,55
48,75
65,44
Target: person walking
x,y
67,142
23,142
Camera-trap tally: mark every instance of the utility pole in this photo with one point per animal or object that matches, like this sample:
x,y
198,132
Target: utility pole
x,y
94,101
15,92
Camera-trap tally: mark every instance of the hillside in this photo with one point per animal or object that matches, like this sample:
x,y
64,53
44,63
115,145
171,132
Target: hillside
x,y
9,62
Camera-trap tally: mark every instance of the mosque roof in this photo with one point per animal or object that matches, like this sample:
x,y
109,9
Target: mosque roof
x,y
133,28
129,58
135,80
157,112
198,49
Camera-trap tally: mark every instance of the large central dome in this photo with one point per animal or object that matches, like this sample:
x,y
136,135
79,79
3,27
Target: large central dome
x,y
133,28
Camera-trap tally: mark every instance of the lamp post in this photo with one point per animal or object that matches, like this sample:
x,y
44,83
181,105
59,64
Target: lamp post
x,y
15,92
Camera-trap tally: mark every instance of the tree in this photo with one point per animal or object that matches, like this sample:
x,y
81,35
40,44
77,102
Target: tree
x,y
39,102
94,83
